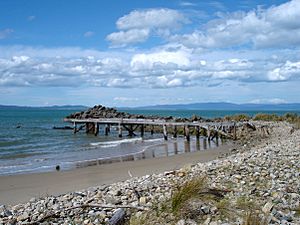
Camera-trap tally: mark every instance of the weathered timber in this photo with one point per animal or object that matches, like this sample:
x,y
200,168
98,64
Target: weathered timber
x,y
120,130
187,133
96,129
175,132
227,129
142,130
165,131
197,132
118,218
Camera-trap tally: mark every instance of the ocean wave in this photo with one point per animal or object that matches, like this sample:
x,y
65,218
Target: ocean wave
x,y
115,143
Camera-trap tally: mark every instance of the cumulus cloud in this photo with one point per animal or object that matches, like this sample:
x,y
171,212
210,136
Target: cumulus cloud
x,y
261,28
159,68
285,72
5,33
139,24
123,38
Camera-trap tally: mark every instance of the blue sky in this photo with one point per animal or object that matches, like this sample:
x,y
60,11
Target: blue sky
x,y
149,52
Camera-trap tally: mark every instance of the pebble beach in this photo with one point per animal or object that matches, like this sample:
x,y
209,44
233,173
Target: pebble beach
x,y
261,175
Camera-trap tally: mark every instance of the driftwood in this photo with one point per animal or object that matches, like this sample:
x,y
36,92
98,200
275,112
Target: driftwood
x,y
83,206
118,218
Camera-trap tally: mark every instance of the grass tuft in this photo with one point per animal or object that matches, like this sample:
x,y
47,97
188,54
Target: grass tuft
x,y
253,218
189,190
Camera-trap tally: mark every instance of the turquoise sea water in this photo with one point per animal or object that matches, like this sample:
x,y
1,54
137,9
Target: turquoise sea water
x,y
29,144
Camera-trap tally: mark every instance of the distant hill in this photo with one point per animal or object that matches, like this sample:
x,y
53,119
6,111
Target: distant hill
x,y
226,106
54,107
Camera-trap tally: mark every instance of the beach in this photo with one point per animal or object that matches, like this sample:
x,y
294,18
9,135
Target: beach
x,y
16,189
255,180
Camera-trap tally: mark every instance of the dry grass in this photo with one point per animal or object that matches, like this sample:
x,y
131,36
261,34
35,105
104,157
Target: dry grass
x,y
238,117
189,190
253,218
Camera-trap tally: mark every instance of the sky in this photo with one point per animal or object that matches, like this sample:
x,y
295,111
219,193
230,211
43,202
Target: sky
x,y
148,52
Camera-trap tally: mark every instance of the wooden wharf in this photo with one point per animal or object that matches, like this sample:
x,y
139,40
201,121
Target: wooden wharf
x,y
211,129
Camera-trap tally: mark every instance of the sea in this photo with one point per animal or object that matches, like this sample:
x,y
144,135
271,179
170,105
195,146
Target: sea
x,y
29,144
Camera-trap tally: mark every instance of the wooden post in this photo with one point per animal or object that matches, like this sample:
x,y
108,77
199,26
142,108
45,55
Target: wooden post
x,y
175,148
120,130
96,129
187,132
75,128
197,132
187,146
198,144
142,130
130,130
152,130
208,133
165,132
175,132
204,143
106,130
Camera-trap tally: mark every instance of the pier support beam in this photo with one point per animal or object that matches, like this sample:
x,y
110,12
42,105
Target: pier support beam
x,y
208,133
187,133
96,129
142,130
75,128
175,132
165,131
152,129
106,131
120,130
197,132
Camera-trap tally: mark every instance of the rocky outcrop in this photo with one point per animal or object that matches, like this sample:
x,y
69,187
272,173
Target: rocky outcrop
x,y
99,111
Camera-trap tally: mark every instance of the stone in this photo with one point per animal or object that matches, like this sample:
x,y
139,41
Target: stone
x,y
143,200
267,208
23,217
181,222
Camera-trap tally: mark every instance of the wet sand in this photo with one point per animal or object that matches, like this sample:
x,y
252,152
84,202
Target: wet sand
x,y
21,188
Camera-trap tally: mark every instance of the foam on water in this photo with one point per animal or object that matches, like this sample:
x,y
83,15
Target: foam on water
x,y
116,143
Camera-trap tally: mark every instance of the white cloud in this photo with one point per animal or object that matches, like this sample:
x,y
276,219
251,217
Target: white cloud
x,y
125,99
285,72
155,69
138,25
271,27
269,101
185,3
162,59
5,33
123,38
151,18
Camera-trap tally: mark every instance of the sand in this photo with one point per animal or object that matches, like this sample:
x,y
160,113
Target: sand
x,y
16,189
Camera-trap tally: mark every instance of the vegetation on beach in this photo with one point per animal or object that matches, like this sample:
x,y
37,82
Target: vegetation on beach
x,y
292,118
195,200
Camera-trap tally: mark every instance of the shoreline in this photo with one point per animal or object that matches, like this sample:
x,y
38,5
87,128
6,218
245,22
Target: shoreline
x,y
15,189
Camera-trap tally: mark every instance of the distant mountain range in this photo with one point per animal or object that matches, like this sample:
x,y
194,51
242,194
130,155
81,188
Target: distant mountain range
x,y
191,106
225,106
54,107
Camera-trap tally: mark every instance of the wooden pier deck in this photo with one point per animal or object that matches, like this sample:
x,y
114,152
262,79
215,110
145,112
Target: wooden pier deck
x,y
211,129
